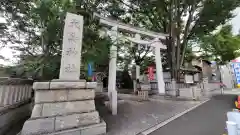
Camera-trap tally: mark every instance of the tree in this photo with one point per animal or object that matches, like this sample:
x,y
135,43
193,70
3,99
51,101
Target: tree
x,y
183,20
36,26
222,46
37,30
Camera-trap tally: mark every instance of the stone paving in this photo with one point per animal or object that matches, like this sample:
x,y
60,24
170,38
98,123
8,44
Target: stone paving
x,y
134,116
235,91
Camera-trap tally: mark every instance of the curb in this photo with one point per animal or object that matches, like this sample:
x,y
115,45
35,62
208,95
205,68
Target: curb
x,y
157,126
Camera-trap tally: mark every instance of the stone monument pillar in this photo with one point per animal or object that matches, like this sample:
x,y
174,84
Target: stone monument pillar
x,y
66,106
173,89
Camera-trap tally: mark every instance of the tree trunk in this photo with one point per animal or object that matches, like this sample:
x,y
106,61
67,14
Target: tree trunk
x,y
178,32
172,43
186,32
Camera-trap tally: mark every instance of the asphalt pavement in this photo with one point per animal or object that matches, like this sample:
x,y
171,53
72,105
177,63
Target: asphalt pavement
x,y
208,119
16,128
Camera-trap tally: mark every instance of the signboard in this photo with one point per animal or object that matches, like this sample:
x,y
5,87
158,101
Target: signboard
x,y
150,73
236,68
188,78
145,87
90,71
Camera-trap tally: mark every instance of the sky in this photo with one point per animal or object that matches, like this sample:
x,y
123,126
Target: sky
x,y
236,21
9,53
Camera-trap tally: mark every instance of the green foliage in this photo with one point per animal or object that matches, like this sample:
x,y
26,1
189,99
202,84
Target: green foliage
x,y
222,46
35,27
41,24
214,14
184,20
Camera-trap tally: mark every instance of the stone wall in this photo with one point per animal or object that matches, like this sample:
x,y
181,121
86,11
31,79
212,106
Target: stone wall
x,y
204,88
64,107
190,93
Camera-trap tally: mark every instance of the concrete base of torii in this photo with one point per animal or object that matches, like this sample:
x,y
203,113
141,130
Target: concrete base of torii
x,y
64,108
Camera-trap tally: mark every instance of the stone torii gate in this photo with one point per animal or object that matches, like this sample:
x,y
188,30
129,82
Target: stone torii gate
x,y
114,35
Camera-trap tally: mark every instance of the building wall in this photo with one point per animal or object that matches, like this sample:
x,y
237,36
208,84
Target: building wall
x,y
216,72
206,70
227,76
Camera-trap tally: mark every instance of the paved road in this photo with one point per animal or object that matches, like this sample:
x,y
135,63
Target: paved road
x,y
15,129
208,119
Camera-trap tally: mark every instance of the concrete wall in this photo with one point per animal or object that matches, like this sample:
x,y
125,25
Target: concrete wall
x,y
227,76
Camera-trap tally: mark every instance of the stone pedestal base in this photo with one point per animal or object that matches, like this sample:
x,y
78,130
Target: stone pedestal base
x,y
64,108
143,94
197,93
99,87
207,93
206,90
190,93
171,93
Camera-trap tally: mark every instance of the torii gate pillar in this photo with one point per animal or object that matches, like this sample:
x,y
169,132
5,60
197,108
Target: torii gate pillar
x,y
158,60
112,92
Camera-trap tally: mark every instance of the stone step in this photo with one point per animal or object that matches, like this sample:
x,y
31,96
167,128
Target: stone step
x,y
96,129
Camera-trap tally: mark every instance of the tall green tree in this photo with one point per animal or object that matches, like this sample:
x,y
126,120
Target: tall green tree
x,y
36,26
222,46
37,30
183,20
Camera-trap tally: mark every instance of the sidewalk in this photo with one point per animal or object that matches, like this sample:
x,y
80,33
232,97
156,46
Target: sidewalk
x,y
235,91
134,116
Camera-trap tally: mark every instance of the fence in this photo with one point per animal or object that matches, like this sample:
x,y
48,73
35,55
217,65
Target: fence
x,y
180,89
169,85
15,105
14,90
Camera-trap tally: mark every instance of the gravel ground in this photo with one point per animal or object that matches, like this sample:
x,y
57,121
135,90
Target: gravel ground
x,y
134,116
